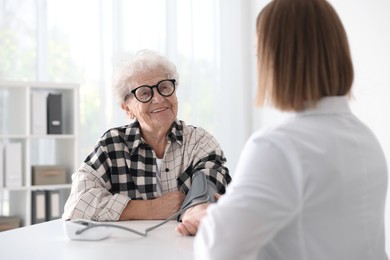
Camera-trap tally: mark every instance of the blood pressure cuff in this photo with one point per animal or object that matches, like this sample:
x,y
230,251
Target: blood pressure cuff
x,y
202,190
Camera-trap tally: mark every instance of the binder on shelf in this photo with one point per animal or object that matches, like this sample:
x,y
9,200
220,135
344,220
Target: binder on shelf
x,y
38,206
53,210
38,113
13,165
54,113
1,165
4,113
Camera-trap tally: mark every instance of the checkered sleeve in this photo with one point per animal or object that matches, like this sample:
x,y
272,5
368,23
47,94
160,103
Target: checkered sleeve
x,y
90,197
206,156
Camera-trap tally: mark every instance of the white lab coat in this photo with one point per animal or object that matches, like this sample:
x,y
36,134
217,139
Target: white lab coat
x,y
311,188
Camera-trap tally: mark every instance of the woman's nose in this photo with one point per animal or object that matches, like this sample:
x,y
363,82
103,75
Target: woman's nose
x,y
157,98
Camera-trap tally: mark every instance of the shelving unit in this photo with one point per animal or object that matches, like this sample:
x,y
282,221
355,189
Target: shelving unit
x,y
42,149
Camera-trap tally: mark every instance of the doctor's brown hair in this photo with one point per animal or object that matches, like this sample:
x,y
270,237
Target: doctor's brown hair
x,y
303,54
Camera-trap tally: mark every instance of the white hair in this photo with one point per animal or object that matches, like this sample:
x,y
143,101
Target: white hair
x,y
142,62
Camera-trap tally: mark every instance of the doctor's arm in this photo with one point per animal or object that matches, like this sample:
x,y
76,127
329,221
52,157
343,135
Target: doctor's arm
x,y
260,201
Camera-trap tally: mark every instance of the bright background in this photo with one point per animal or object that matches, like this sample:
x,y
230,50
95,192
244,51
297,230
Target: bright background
x,y
210,41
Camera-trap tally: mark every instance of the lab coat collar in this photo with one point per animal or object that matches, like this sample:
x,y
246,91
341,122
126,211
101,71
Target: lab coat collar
x,y
329,105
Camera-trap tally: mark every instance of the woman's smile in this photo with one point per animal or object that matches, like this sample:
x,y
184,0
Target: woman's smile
x,y
158,110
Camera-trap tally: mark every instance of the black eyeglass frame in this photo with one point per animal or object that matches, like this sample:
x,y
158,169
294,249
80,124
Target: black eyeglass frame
x,y
173,81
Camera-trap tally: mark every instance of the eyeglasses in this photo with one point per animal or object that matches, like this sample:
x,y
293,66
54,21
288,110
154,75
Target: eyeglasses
x,y
145,93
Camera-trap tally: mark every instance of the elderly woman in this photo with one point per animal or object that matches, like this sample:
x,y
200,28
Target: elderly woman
x,y
144,170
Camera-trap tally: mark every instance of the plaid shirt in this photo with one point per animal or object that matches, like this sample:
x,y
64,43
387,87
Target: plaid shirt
x,y
123,167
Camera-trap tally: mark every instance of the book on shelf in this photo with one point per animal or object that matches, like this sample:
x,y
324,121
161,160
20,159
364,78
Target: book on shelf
x,y
38,113
13,165
54,113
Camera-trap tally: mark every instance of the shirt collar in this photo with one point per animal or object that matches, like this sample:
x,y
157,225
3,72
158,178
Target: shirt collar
x,y
176,133
134,137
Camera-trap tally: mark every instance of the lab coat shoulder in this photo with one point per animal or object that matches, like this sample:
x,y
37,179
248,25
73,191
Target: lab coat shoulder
x,y
280,137
270,161
272,158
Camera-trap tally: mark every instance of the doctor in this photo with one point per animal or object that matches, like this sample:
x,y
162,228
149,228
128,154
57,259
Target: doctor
x,y
313,187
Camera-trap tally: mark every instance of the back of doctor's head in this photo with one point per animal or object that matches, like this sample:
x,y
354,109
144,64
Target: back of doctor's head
x,y
303,54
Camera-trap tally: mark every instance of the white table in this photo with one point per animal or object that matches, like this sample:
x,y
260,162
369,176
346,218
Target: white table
x,y
48,241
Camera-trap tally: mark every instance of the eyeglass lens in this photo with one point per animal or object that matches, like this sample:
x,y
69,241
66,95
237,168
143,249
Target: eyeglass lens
x,y
164,88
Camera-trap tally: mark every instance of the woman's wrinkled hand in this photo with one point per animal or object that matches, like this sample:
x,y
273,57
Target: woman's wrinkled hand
x,y
167,205
192,218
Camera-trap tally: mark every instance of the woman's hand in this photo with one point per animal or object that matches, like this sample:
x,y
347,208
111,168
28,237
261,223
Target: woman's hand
x,y
192,218
167,205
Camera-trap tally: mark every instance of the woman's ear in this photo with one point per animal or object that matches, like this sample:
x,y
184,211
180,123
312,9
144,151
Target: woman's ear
x,y
127,110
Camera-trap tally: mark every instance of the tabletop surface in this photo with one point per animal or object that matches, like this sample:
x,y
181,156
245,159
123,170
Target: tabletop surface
x,y
48,241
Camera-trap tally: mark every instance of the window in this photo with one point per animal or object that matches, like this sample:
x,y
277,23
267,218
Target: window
x,y
82,42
